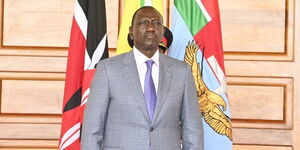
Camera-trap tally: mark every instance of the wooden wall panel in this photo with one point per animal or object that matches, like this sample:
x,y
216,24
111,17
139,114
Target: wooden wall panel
x,y
31,97
32,76
261,68
30,118
248,136
296,104
25,23
254,26
29,131
261,102
33,64
251,147
258,39
28,144
258,30
255,102
37,23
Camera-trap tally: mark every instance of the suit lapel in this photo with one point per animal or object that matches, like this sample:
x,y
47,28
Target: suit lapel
x,y
165,75
131,74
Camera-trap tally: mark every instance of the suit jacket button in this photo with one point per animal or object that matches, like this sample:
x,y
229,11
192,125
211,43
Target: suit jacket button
x,y
151,129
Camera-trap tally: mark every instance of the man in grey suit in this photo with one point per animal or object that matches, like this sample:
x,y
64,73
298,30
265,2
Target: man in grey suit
x,y
143,100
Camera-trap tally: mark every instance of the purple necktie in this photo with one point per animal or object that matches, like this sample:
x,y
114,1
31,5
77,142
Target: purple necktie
x,y
149,90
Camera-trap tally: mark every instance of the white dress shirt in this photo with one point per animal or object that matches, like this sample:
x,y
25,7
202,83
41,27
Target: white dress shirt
x,y
140,60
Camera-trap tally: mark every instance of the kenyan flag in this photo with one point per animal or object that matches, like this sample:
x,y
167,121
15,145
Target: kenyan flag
x,y
88,45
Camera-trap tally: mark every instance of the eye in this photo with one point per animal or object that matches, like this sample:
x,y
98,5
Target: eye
x,y
143,22
156,23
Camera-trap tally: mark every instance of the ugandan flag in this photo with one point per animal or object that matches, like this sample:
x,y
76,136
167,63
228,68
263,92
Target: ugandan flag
x,y
197,40
130,7
88,44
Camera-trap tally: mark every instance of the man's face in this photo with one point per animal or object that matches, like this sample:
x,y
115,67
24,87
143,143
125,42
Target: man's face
x,y
147,29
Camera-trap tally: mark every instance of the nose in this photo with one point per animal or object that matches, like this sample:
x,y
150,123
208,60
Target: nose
x,y
150,27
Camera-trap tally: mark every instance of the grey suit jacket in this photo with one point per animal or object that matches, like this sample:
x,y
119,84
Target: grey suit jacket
x,y
116,116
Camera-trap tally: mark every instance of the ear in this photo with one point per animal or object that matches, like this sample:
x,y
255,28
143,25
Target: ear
x,y
131,32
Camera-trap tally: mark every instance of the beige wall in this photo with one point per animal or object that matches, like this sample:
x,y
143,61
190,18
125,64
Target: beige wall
x,y
261,42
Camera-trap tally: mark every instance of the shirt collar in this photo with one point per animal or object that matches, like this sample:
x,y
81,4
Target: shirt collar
x,y
140,58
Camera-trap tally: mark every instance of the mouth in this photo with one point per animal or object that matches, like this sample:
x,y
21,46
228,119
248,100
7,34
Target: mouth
x,y
150,36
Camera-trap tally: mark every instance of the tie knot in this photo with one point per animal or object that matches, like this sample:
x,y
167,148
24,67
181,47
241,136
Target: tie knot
x,y
149,64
